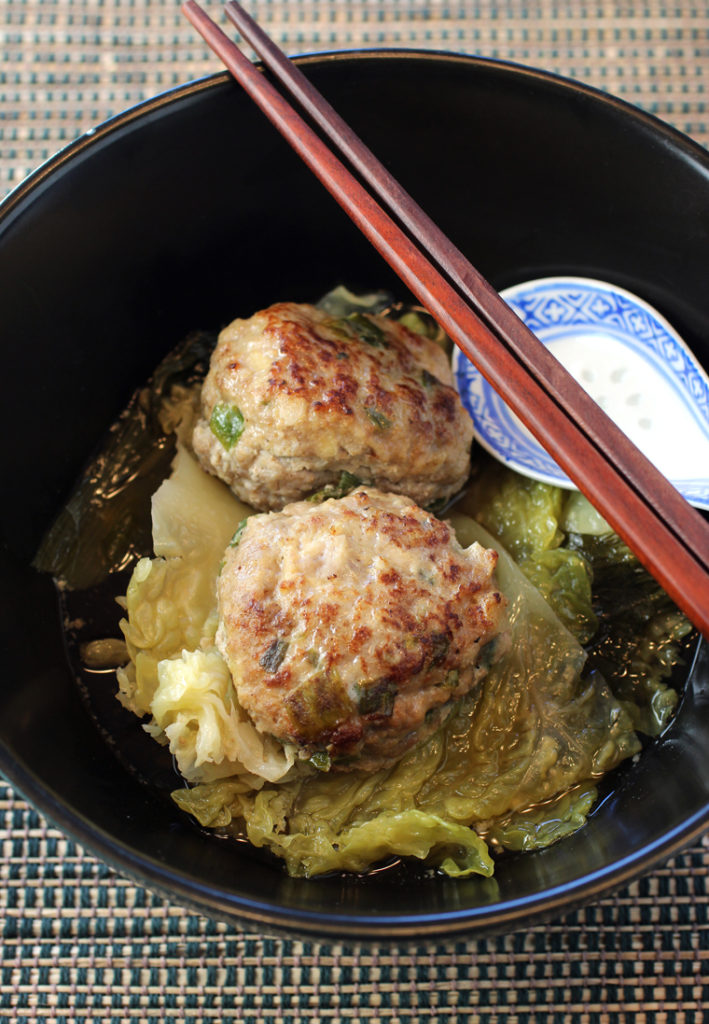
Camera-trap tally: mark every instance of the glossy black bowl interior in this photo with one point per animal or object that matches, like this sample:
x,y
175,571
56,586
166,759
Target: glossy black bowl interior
x,y
191,211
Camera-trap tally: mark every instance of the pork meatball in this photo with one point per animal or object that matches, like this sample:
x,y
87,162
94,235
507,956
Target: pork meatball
x,y
352,627
297,400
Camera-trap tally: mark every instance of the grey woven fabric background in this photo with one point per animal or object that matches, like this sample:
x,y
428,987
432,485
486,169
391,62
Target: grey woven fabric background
x,y
80,943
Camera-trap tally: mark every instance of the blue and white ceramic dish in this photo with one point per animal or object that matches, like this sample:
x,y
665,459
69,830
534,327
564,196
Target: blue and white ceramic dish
x,y
629,359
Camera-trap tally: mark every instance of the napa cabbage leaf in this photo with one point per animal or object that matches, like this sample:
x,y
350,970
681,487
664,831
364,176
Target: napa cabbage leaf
x,y
209,734
171,600
529,518
175,674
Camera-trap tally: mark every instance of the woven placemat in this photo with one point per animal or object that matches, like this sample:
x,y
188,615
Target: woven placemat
x,y
81,944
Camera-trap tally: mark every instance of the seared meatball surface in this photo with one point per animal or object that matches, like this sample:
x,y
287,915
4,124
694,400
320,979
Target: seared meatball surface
x,y
295,397
351,627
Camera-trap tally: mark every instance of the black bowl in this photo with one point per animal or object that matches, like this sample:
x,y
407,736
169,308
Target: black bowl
x,y
190,210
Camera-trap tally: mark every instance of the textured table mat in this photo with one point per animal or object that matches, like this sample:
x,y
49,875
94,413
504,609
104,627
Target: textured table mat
x,y
80,943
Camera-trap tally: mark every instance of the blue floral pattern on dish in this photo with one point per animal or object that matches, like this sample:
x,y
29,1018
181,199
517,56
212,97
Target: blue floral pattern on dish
x,y
581,321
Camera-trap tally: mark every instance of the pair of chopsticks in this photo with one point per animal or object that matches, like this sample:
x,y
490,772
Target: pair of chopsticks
x,y
669,536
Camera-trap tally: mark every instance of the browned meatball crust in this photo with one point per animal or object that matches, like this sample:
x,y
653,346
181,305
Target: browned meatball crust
x,y
351,627
295,397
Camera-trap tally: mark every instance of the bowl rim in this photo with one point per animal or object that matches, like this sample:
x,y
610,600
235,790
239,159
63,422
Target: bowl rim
x,y
177,886
483,919
176,93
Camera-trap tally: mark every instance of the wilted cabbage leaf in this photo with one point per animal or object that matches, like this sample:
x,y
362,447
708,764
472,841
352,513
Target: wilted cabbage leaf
x,y
176,674
171,600
596,585
641,636
522,514
540,826
526,516
209,734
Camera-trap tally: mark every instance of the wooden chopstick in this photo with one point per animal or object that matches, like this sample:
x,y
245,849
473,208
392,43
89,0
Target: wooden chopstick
x,y
676,552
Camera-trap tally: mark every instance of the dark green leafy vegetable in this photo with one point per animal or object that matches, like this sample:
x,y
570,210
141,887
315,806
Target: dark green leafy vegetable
x,y
358,325
564,578
420,321
341,302
642,637
274,654
440,644
438,506
636,635
227,424
376,698
366,330
378,418
341,329
346,483
321,760
234,542
317,705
